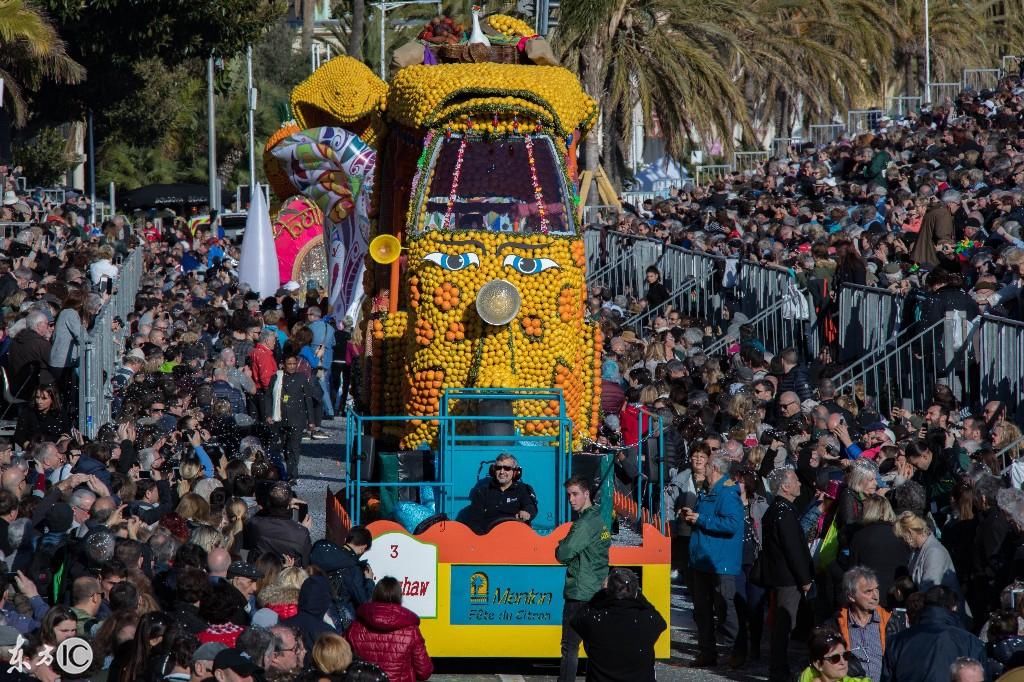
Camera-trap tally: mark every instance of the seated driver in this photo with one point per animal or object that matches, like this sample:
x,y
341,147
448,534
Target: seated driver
x,y
502,495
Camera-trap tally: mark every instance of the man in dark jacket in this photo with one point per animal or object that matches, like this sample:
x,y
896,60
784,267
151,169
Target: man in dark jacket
x,y
794,376
925,651
223,390
29,356
784,566
619,628
296,409
273,530
192,586
502,495
350,577
314,600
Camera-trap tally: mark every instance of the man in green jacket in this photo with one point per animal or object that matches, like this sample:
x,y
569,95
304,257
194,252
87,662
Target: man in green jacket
x,y
584,551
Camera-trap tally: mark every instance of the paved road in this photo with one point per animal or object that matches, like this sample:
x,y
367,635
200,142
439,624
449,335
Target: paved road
x,y
322,466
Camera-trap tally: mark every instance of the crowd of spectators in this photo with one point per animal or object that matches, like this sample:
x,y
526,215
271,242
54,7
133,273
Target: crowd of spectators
x,y
172,541
891,538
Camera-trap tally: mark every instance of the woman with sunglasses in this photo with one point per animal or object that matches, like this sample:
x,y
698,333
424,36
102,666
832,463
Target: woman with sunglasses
x,y
829,659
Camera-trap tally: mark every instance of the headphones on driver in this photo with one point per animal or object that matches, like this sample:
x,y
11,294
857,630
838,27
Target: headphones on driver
x,y
517,472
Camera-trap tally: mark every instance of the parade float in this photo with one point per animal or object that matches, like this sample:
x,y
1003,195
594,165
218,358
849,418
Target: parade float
x,y
449,201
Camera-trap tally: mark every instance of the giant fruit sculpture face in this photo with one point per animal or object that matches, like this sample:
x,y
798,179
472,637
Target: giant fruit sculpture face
x,y
546,343
476,181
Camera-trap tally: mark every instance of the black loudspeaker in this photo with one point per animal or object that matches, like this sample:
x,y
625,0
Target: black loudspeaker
x,y
414,466
495,427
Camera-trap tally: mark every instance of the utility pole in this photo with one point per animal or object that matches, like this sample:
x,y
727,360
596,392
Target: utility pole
x,y
252,118
211,131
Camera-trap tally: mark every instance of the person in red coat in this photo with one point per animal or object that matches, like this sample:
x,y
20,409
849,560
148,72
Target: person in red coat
x,y
388,634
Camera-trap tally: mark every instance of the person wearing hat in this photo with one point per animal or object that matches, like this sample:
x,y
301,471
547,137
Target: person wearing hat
x,y
203,658
244,577
619,628
232,665
936,225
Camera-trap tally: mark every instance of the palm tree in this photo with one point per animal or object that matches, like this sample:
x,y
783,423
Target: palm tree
x,y
671,56
30,52
958,41
822,53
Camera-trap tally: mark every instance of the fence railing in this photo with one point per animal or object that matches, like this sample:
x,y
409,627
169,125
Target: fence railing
x,y
627,258
905,374
823,134
101,346
869,318
783,311
981,79
781,146
642,322
704,175
1008,454
862,120
750,161
997,345
705,300
638,198
902,105
599,214
940,92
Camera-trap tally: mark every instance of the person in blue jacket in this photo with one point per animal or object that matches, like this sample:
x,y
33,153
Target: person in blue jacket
x,y
716,557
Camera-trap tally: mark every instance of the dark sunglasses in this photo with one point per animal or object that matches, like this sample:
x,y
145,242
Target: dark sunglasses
x,y
503,467
835,658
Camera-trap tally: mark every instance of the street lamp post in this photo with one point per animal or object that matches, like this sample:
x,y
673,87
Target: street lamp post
x,y
927,56
252,117
211,131
384,8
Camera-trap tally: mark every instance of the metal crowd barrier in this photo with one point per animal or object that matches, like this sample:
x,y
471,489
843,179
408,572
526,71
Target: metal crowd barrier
x,y
1010,63
1008,454
9,229
823,134
638,198
101,348
781,146
774,306
706,174
627,259
862,120
905,374
981,79
998,348
599,214
641,323
750,161
904,104
592,248
940,92
704,301
869,318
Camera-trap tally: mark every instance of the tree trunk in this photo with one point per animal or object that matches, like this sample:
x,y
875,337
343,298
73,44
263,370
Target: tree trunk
x,y
908,74
593,78
355,40
308,11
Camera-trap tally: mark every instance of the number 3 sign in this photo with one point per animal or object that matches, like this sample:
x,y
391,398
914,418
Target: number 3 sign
x,y
413,564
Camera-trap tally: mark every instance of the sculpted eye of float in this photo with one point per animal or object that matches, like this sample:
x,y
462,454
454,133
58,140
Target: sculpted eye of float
x,y
529,266
452,261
